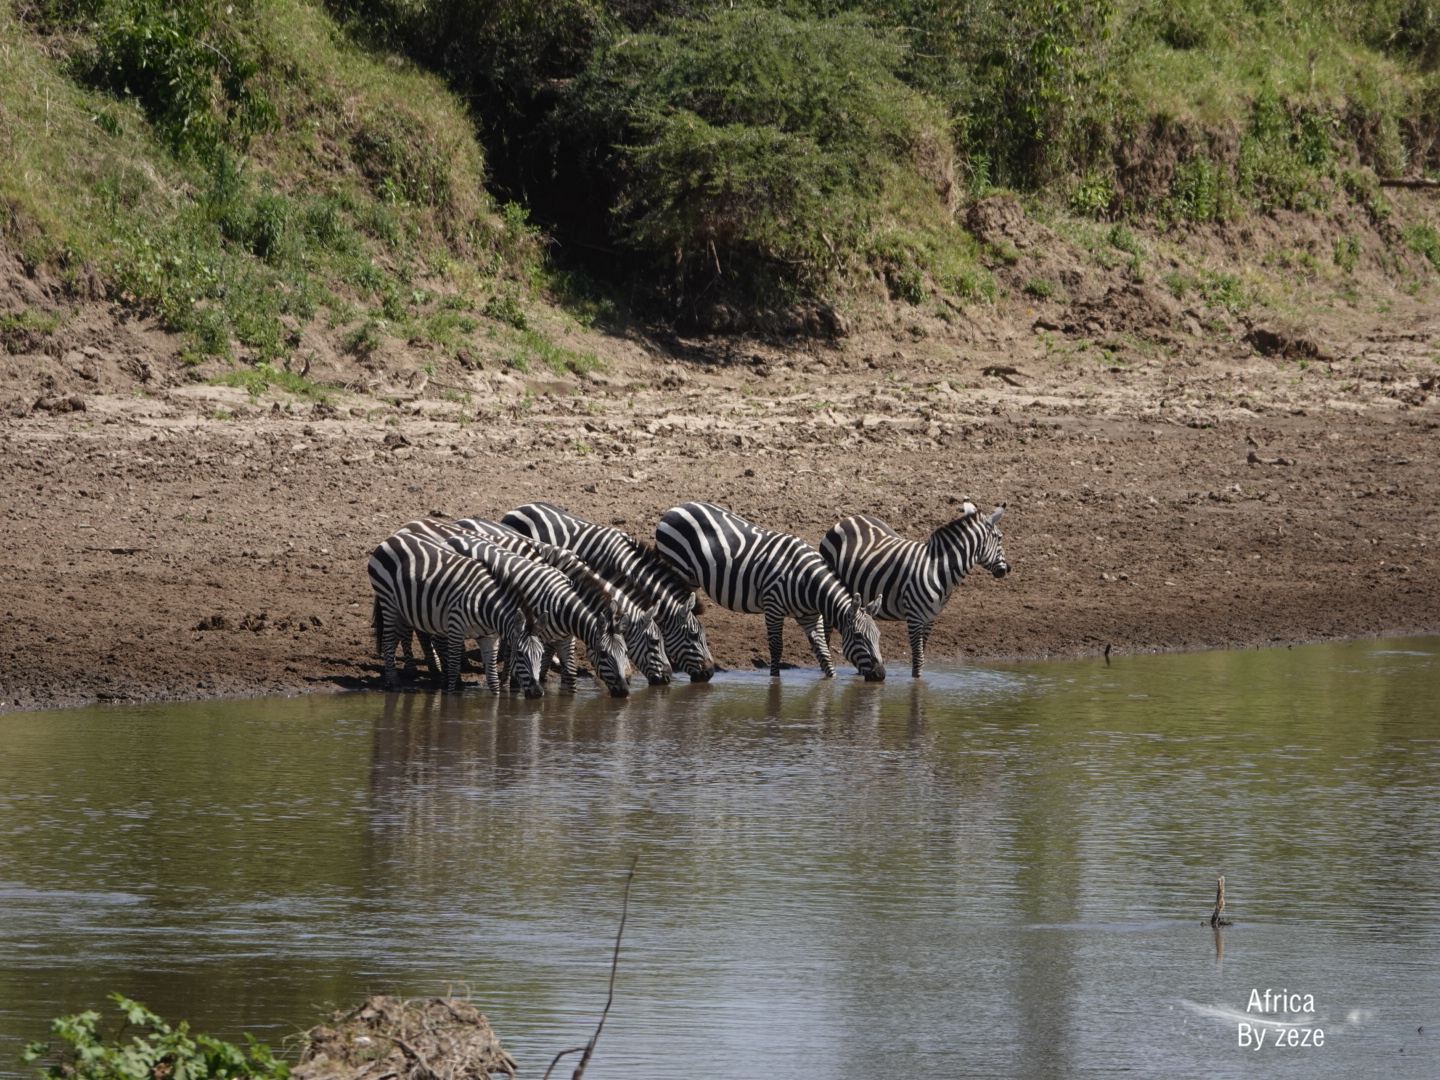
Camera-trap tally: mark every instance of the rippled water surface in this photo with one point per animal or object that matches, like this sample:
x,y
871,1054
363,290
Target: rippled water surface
x,y
996,872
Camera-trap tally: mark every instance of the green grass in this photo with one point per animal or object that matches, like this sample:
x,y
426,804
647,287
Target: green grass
x,y
258,379
321,185
534,346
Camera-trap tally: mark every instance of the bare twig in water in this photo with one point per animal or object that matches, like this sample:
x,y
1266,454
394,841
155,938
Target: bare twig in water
x,y
556,1060
1215,919
589,1048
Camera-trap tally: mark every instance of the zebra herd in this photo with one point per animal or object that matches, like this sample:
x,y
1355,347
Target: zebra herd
x,y
531,584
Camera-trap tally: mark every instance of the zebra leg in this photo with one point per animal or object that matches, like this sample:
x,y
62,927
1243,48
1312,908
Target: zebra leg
x,y
454,651
404,642
775,634
432,655
919,634
488,659
565,653
389,639
814,627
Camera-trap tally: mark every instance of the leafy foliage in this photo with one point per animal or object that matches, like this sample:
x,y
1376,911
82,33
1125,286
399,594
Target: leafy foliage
x,y
156,1052
759,145
191,71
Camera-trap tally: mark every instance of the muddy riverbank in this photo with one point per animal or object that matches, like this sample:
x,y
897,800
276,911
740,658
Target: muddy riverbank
x,y
191,541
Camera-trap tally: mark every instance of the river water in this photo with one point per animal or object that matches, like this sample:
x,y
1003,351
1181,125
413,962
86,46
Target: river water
x,y
998,871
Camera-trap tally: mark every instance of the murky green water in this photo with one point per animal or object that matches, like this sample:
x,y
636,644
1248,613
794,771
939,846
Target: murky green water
x,y
995,873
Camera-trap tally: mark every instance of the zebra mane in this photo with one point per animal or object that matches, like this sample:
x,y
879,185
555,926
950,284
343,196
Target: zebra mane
x,y
969,513
532,617
651,558
591,589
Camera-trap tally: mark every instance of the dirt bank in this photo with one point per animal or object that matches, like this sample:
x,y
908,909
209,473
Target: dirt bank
x,y
1175,490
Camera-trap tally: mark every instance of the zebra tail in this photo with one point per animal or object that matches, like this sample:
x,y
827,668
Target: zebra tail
x,y
377,620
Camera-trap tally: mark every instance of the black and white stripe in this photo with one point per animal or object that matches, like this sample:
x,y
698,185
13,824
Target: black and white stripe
x,y
422,585
751,569
913,580
566,605
632,565
643,639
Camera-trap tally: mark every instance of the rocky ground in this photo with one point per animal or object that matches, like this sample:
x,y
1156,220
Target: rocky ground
x,y
1174,477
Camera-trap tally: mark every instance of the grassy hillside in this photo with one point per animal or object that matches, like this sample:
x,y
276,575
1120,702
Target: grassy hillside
x,y
244,169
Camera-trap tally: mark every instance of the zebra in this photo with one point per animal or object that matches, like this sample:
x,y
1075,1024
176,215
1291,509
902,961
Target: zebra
x,y
618,557
751,569
424,585
912,580
567,606
643,639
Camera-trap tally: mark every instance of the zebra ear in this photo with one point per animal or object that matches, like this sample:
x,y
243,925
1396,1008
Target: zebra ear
x,y
654,610
995,517
873,608
968,508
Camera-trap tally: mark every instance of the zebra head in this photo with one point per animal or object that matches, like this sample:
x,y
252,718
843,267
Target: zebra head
x,y
990,554
860,638
528,656
610,657
685,639
645,645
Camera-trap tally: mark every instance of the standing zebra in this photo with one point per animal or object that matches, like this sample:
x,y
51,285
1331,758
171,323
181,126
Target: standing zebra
x,y
566,606
746,568
643,639
915,580
446,597
620,558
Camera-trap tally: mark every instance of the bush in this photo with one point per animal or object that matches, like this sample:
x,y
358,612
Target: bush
x,y
1199,192
191,71
760,147
1347,252
156,1050
1092,196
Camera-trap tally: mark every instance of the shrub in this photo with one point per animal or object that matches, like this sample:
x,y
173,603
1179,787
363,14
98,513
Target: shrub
x,y
1122,239
1040,289
1347,252
1283,154
1092,196
155,1050
504,308
1198,191
192,72
760,147
1424,240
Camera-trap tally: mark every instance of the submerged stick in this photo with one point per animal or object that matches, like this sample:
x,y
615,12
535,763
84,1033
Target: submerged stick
x,y
1219,901
589,1048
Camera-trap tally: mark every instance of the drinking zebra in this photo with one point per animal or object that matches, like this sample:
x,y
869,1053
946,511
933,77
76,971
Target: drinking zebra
x,y
643,638
566,606
912,580
754,570
423,585
621,559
